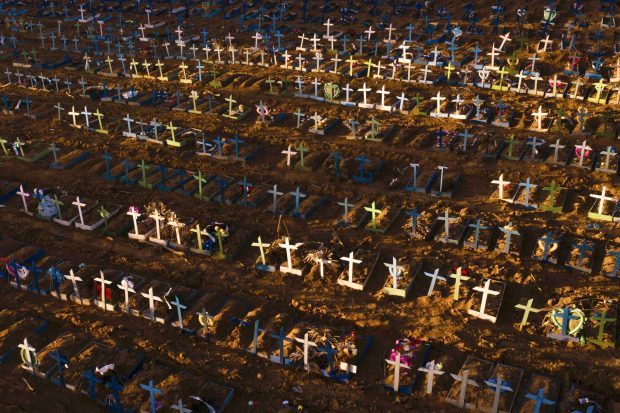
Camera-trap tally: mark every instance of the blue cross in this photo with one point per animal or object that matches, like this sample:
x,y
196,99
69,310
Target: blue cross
x,y
116,388
540,400
237,142
414,219
245,185
92,380
566,317
330,352
281,338
218,141
222,183
152,392
337,158
61,362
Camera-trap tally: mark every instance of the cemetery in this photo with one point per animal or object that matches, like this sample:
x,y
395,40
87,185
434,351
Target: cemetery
x,y
334,206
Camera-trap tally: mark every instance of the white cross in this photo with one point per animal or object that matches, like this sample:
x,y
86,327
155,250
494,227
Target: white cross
x,y
394,271
465,380
501,184
261,246
431,372
540,115
364,89
74,279
369,32
438,98
289,259
434,277
133,212
27,348
556,149
602,199
73,114
505,38
306,345
177,225
447,219
499,387
179,407
397,366
79,206
527,185
383,93
441,168
351,262
24,196
486,291
101,279
583,148
155,216
152,298
127,288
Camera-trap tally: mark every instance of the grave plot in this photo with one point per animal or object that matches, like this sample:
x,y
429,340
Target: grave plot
x,y
352,213
554,198
449,229
581,255
480,235
36,331
580,399
500,390
602,325
184,390
566,323
31,276
538,394
70,210
106,284
176,300
98,370
152,373
514,149
465,390
402,275
67,159
487,300
604,207
527,195
17,263
143,225
402,364
559,154
51,356
198,318
358,267
7,190
332,352
445,183
270,337
24,201
31,151
419,225
510,240
98,216
379,220
178,178
611,261
547,248
149,298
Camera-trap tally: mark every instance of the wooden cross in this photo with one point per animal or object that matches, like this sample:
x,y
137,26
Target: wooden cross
x,y
527,309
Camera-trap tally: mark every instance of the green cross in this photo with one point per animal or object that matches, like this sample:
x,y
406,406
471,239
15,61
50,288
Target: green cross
x,y
302,150
374,211
200,180
143,166
58,203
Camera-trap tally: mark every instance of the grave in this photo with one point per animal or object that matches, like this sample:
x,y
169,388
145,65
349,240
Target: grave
x,y
470,376
379,220
404,363
540,394
357,276
547,247
581,255
401,278
500,392
487,305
